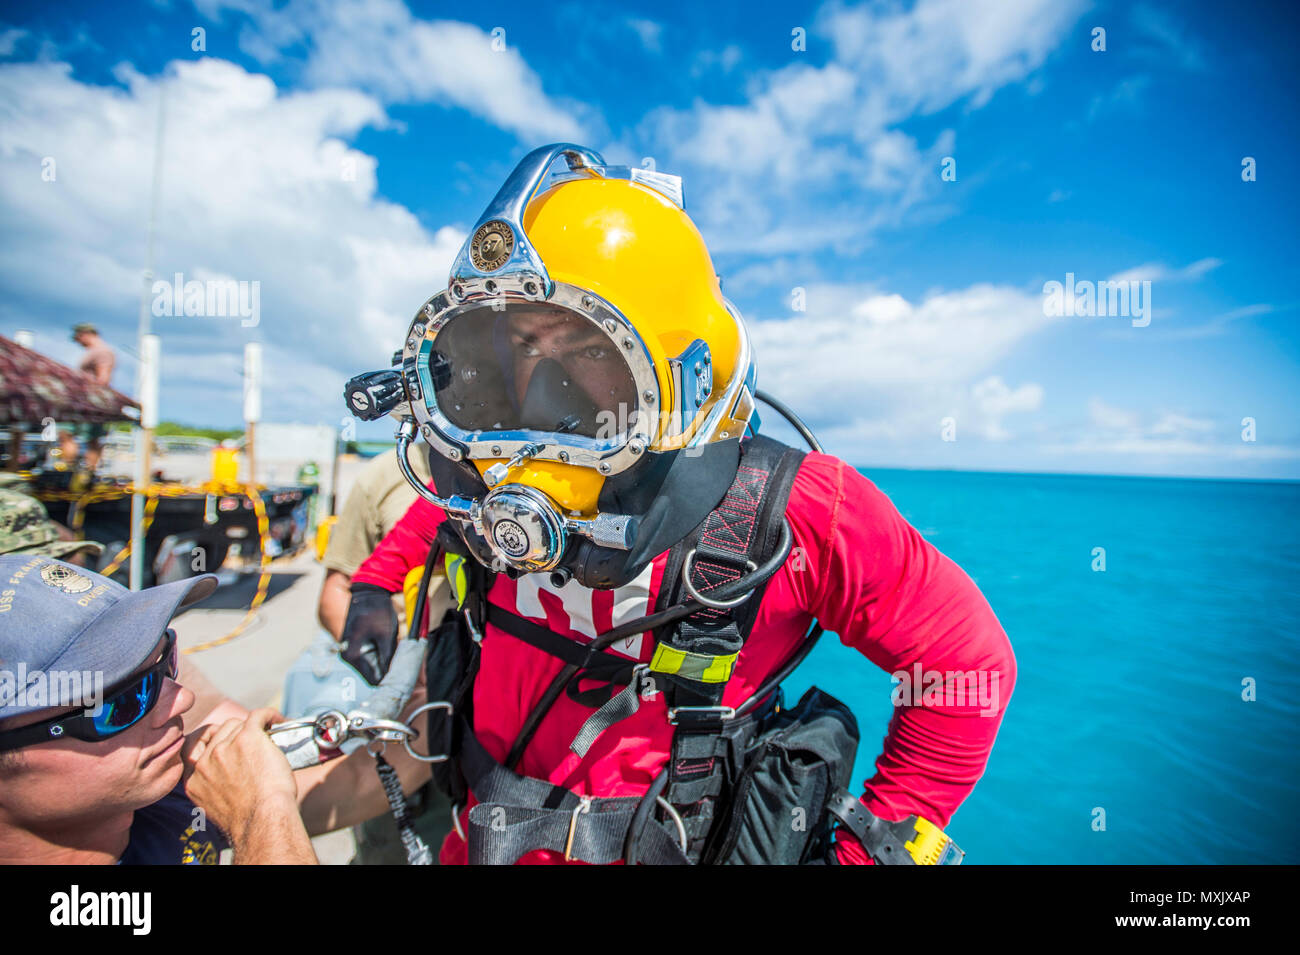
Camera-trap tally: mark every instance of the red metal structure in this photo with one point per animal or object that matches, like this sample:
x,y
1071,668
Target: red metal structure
x,y
34,387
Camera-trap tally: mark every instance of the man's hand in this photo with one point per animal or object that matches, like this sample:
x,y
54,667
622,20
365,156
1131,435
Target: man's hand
x,y
370,633
238,776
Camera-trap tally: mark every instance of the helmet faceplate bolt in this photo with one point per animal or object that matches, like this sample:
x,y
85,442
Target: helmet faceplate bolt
x,y
649,397
564,456
454,454
699,369
496,450
588,302
428,309
636,446
628,342
610,326
603,468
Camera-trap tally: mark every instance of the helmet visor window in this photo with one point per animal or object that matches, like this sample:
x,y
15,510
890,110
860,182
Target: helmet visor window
x,y
531,367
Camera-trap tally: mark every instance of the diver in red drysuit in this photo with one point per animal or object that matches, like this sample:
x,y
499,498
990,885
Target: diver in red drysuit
x,y
857,566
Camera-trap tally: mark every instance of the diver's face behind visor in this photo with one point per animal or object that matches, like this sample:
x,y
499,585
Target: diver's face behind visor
x,y
581,379
531,367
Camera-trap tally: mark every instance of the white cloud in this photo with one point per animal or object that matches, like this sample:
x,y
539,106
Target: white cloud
x,y
1139,441
1158,272
1150,455
1172,39
9,40
1219,323
378,46
824,136
725,59
1109,418
648,32
1179,425
994,400
1126,96
867,367
254,186
927,57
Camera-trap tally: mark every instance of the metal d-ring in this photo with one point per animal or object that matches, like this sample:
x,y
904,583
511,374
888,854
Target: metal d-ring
x,y
677,818
406,740
707,601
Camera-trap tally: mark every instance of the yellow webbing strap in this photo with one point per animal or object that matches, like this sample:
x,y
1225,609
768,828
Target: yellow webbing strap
x,y
454,565
702,667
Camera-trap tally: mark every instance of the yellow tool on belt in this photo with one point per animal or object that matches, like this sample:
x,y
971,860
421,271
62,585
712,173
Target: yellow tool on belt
x,y
910,841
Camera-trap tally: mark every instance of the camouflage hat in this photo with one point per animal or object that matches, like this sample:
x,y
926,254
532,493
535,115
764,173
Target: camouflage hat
x,y
80,327
25,528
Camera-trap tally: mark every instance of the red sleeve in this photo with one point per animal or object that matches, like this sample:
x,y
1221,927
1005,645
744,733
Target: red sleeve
x,y
893,597
402,548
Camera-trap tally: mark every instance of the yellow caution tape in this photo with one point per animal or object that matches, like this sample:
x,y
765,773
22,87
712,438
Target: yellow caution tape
x,y
153,493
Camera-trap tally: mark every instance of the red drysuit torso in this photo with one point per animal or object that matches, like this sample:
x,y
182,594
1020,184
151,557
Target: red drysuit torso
x,y
857,566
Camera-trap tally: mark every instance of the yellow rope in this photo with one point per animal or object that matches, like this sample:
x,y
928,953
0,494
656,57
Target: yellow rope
x,y
263,582
153,493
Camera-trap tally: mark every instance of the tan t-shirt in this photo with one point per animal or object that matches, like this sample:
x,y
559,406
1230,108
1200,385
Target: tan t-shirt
x,y
376,502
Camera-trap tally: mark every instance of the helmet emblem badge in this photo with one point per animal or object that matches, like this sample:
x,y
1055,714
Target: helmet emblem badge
x,y
492,244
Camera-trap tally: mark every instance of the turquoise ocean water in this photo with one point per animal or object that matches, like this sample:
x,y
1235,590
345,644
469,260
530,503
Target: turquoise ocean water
x,y
1130,685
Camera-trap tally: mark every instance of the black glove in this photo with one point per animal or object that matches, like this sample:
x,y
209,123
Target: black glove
x,y
370,632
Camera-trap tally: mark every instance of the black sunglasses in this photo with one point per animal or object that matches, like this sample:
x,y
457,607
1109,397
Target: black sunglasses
x,y
123,707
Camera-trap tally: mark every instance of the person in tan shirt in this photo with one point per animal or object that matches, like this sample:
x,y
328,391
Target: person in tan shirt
x,y
99,360
377,501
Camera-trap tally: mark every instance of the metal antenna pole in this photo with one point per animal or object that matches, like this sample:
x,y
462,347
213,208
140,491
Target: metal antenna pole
x,y
147,350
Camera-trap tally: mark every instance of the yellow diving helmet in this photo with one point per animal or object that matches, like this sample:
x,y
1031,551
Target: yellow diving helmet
x,y
582,379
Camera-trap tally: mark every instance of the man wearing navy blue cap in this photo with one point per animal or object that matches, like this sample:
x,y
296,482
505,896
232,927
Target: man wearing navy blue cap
x,y
92,737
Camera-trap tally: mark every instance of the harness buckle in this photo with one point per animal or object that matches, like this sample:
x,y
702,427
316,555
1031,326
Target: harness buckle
x,y
700,713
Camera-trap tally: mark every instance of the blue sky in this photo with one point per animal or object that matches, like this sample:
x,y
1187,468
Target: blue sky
x,y
817,169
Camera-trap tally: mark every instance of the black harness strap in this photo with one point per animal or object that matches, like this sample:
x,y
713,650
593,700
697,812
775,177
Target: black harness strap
x,y
708,746
613,671
517,814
